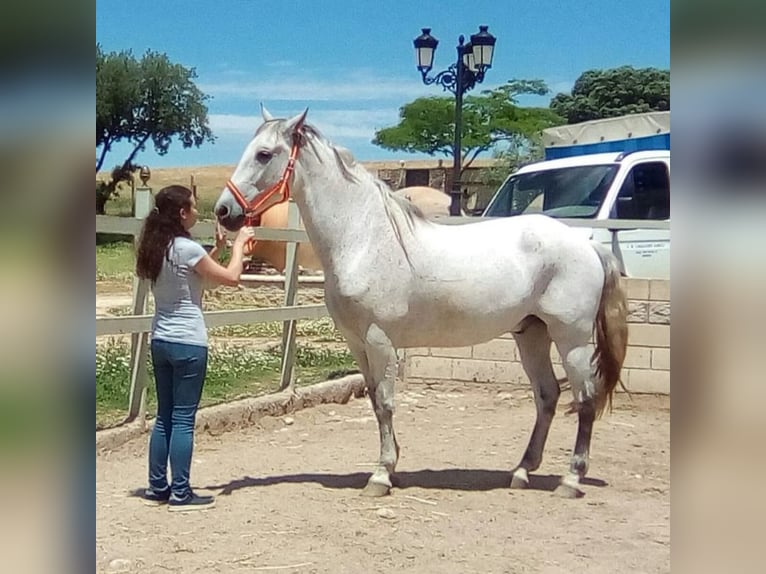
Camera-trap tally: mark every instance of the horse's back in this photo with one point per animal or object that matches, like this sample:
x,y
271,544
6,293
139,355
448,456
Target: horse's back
x,y
506,257
503,234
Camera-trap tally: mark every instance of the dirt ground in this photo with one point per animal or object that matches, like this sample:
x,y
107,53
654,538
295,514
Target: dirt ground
x,y
107,301
288,493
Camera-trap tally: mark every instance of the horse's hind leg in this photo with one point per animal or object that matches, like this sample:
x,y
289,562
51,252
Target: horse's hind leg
x,y
534,345
577,364
382,362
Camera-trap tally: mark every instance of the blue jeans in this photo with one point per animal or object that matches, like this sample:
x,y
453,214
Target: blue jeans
x,y
179,373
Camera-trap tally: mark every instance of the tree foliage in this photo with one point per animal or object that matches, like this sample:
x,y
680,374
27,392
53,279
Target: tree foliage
x,y
614,92
427,125
141,101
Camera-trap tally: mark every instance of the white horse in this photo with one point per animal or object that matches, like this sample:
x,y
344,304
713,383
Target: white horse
x,y
394,279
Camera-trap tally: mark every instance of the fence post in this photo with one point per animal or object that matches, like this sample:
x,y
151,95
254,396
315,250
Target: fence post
x,y
287,380
139,342
138,355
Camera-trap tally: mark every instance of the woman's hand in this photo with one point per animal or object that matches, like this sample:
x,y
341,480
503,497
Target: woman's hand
x,y
229,275
244,236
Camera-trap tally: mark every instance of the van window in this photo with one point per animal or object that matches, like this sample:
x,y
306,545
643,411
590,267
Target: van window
x,y
645,194
576,191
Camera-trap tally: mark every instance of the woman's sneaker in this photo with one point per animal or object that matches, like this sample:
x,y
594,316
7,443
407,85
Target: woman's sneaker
x,y
191,501
153,497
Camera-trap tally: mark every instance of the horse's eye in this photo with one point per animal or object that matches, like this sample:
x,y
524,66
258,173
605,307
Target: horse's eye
x,y
263,156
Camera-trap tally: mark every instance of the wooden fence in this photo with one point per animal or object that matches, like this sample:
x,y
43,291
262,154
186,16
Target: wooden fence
x,y
138,324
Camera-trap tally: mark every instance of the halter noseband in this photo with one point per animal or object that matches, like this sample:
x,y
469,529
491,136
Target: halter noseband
x,y
281,189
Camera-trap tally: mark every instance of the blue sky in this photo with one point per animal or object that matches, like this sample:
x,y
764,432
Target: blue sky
x,y
353,63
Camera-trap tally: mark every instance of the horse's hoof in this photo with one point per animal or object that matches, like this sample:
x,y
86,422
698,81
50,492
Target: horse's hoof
x,y
568,491
376,490
520,478
517,482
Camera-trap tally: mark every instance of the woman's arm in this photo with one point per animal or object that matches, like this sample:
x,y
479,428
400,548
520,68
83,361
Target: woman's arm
x,y
215,273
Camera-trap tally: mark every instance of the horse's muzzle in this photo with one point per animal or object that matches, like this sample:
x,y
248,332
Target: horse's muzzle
x,y
232,223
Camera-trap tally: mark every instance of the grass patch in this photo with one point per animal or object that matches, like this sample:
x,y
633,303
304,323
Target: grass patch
x,y
115,262
234,371
318,330
120,205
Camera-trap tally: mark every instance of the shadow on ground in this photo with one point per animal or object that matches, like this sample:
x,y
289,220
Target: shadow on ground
x,y
443,479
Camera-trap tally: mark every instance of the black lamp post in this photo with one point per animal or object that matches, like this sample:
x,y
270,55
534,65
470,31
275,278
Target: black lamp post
x,y
473,59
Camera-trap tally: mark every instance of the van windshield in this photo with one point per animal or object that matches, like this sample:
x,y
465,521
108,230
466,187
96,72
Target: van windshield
x,y
576,191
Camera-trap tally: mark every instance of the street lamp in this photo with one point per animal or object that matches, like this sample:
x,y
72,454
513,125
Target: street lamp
x,y
473,59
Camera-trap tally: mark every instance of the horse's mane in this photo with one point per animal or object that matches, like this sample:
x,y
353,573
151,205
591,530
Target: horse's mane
x,y
354,172
399,211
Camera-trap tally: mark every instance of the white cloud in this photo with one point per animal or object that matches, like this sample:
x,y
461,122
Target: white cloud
x,y
335,124
357,124
280,64
360,85
234,124
358,89
355,86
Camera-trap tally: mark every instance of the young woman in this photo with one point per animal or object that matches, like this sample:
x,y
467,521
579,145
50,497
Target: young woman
x,y
178,267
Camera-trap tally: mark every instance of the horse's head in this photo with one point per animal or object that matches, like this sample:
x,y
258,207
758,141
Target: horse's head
x,y
262,177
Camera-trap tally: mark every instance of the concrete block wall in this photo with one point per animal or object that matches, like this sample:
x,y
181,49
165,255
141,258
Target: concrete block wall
x,y
646,368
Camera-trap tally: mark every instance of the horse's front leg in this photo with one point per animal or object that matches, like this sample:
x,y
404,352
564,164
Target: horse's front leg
x,y
382,361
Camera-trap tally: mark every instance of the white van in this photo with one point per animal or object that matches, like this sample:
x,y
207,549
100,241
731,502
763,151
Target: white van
x,y
632,185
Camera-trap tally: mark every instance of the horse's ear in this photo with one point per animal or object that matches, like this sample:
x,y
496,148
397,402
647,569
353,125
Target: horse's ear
x,y
267,117
294,124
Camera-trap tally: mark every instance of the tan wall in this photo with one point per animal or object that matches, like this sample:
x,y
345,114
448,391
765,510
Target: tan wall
x,y
646,368
440,176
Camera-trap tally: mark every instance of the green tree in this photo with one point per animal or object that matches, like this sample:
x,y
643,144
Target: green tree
x,y
138,101
614,92
519,128
427,125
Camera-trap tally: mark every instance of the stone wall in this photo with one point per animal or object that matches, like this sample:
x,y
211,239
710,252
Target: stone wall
x,y
646,368
474,181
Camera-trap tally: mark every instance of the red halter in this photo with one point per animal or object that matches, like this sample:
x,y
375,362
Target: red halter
x,y
280,192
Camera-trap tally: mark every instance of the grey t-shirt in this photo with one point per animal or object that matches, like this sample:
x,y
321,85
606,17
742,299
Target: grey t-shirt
x,y
178,296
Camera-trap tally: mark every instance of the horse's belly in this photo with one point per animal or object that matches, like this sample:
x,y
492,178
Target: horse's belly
x,y
452,327
438,314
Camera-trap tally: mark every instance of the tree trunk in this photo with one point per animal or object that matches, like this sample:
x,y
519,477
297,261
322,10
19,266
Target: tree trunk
x,y
101,199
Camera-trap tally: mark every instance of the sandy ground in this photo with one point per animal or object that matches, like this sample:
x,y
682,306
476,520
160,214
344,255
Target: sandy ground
x,y
107,301
288,493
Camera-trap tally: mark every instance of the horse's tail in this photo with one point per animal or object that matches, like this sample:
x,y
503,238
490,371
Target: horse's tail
x,y
610,330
